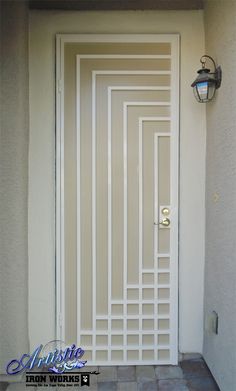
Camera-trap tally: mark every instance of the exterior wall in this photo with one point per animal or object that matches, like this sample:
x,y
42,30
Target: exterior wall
x,y
43,27
14,140
220,272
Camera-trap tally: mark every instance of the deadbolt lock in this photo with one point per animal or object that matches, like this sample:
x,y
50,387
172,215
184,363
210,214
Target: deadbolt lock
x,y
165,211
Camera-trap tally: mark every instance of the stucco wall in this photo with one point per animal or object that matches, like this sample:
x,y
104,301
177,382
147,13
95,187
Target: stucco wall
x,y
14,140
43,27
220,276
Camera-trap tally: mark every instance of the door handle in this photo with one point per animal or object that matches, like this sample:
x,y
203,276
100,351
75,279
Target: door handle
x,y
165,222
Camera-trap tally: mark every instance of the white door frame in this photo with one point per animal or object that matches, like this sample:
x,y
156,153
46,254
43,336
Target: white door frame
x,y
61,40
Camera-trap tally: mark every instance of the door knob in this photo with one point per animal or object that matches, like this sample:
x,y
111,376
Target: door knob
x,y
165,222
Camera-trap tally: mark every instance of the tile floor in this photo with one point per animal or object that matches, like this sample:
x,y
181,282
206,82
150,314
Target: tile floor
x,y
190,375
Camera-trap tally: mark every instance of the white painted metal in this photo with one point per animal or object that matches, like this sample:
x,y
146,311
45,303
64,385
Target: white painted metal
x,y
151,103
60,234
94,223
174,164
141,270
58,197
127,38
128,72
109,250
61,40
140,169
125,56
78,149
125,230
125,88
138,88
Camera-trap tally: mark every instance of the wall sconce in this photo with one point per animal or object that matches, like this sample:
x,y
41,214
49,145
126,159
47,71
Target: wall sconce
x,y
207,82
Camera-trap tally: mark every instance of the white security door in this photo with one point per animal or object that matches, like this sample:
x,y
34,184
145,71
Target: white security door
x,y
118,177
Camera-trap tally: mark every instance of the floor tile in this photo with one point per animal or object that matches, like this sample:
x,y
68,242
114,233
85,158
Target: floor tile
x,y
107,386
92,387
202,384
194,368
168,372
107,374
172,385
127,386
147,386
190,375
15,386
126,373
145,373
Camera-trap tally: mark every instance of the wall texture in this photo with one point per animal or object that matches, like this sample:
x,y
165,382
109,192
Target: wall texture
x,y
14,139
220,275
43,28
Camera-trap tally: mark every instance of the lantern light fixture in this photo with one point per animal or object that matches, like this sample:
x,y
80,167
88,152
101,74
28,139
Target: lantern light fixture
x,y
207,82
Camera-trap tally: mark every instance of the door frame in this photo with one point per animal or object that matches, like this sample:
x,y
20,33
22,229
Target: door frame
x,y
61,40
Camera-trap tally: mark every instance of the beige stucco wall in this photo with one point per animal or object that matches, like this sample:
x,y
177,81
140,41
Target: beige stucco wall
x,y
220,280
43,27
14,141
